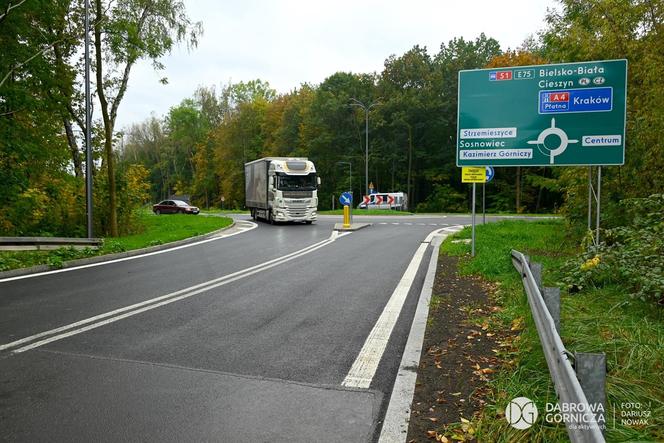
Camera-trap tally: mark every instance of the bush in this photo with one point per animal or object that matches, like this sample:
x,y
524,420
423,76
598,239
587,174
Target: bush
x,y
444,198
631,255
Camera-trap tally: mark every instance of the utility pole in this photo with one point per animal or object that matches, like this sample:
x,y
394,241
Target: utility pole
x,y
366,108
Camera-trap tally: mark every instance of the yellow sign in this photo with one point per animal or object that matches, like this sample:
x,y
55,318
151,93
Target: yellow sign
x,y
473,175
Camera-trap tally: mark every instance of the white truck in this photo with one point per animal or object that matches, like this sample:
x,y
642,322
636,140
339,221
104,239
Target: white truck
x,y
281,189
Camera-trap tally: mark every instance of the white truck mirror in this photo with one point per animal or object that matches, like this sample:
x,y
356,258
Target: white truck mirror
x,y
318,180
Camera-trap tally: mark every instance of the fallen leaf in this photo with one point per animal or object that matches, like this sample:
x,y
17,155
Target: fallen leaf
x,y
517,324
487,371
456,394
432,434
433,419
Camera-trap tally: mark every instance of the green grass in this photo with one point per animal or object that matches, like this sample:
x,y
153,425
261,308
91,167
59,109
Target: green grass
x,y
366,212
629,331
155,230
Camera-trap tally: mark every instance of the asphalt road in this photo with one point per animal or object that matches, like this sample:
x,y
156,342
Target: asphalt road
x,y
247,337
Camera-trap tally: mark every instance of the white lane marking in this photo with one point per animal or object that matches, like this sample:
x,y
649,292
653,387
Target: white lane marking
x,y
366,363
162,300
455,228
409,224
383,223
395,223
133,257
433,234
421,224
396,420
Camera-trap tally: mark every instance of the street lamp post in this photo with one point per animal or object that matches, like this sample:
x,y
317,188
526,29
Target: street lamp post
x,y
366,108
350,184
88,124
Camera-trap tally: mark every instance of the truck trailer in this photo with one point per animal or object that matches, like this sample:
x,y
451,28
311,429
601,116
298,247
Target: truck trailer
x,y
281,189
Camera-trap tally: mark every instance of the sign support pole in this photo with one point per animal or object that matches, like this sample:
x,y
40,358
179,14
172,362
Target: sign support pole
x,y
599,202
473,230
483,203
590,197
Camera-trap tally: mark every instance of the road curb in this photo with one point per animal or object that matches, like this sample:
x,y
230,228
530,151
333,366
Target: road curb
x,y
397,417
114,256
352,227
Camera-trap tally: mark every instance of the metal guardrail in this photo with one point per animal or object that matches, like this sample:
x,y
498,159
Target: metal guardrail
x,y
47,243
582,426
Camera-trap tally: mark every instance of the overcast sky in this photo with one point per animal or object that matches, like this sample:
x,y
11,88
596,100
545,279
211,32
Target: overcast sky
x,y
291,42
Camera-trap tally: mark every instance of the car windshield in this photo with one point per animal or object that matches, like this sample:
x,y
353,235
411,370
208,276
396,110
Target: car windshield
x,y
180,203
296,182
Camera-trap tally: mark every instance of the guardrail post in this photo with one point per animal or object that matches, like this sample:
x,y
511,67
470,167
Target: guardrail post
x,y
591,372
551,298
536,269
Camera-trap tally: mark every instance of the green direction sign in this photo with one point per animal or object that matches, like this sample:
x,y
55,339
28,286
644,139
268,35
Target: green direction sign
x,y
545,115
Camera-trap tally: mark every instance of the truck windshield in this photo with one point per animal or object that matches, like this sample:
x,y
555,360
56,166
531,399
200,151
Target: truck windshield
x,y
296,182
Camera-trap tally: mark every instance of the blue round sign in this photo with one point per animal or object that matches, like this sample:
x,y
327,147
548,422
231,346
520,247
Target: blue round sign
x,y
489,173
346,199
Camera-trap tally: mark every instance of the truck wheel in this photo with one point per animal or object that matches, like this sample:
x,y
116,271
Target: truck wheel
x,y
308,222
270,219
253,214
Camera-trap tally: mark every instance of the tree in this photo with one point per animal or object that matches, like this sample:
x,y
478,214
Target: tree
x,y
124,33
33,148
605,29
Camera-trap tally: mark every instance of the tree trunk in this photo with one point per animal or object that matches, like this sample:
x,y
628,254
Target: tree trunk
x,y
108,126
73,148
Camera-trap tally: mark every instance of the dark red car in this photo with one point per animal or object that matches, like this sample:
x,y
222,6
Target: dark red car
x,y
174,207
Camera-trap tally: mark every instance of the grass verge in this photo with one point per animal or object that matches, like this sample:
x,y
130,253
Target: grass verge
x,y
156,230
217,211
629,331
